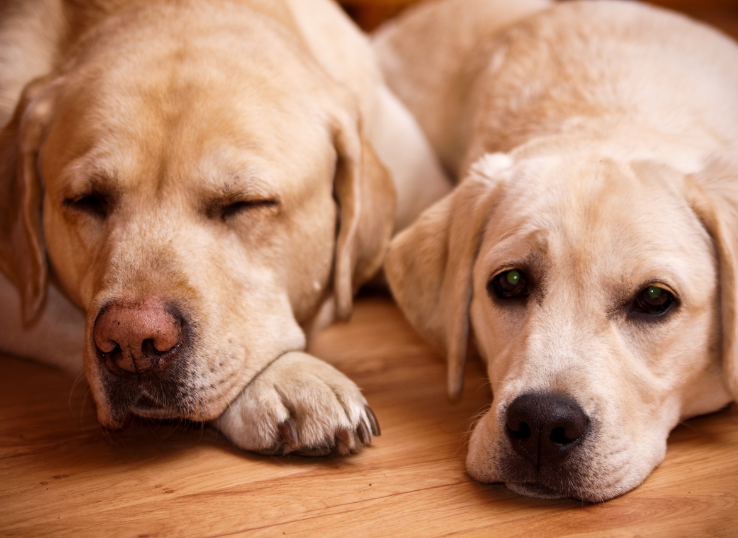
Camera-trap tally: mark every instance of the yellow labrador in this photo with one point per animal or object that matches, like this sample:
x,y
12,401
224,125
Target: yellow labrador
x,y
589,250
188,189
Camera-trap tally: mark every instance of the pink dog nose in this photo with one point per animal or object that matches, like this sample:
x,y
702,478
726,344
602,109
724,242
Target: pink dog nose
x,y
140,336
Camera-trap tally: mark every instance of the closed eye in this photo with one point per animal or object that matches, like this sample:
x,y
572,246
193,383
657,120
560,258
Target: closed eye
x,y
234,209
94,204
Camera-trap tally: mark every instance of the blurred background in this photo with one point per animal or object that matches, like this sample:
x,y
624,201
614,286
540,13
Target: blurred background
x,y
720,13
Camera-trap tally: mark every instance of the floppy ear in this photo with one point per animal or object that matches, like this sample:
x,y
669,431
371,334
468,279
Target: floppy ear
x,y
365,194
22,250
713,195
429,265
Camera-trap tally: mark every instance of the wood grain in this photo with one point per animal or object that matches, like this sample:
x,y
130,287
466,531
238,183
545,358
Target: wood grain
x,y
60,475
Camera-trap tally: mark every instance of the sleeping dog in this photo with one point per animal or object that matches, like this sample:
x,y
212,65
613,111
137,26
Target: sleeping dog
x,y
589,249
189,189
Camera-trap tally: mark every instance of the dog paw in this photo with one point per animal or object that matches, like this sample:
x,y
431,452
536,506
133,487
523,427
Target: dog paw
x,y
300,405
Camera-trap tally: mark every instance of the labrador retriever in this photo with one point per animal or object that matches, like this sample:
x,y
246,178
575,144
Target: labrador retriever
x,y
588,252
189,189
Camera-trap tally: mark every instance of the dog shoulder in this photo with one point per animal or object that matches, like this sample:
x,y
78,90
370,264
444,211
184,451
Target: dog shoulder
x,y
430,67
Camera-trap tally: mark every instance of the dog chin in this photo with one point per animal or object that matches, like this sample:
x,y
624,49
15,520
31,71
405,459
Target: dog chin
x,y
147,407
533,489
115,415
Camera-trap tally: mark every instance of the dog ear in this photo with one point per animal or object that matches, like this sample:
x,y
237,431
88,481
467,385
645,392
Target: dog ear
x,y
22,250
365,194
713,196
429,265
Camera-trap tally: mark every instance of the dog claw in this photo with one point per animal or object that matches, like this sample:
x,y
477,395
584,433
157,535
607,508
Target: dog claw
x,y
376,430
345,442
364,435
342,449
345,436
288,431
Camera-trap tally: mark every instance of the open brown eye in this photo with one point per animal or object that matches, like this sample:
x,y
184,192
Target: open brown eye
x,y
653,301
509,284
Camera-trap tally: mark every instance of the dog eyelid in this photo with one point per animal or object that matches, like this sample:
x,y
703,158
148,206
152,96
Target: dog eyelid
x,y
657,284
227,210
94,203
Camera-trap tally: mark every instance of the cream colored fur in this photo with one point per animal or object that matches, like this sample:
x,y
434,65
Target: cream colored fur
x,y
596,146
170,112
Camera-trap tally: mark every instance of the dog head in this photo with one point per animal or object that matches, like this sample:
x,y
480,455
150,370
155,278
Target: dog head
x,y
202,189
601,295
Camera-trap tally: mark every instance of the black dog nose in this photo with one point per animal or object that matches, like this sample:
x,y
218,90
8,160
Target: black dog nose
x,y
545,428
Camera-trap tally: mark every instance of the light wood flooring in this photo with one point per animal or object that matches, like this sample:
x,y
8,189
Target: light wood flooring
x,y
60,475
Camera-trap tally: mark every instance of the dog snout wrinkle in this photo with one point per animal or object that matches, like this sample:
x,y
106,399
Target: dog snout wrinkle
x,y
139,337
545,428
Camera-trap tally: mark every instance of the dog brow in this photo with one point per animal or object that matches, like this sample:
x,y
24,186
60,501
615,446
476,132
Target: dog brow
x,y
237,188
103,181
242,185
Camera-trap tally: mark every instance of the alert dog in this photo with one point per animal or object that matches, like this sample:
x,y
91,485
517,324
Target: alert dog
x,y
188,190
589,249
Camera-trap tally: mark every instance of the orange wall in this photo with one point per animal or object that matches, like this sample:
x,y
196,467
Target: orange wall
x,y
721,13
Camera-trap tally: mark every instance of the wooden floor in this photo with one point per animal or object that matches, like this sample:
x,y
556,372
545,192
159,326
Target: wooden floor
x,y
60,475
